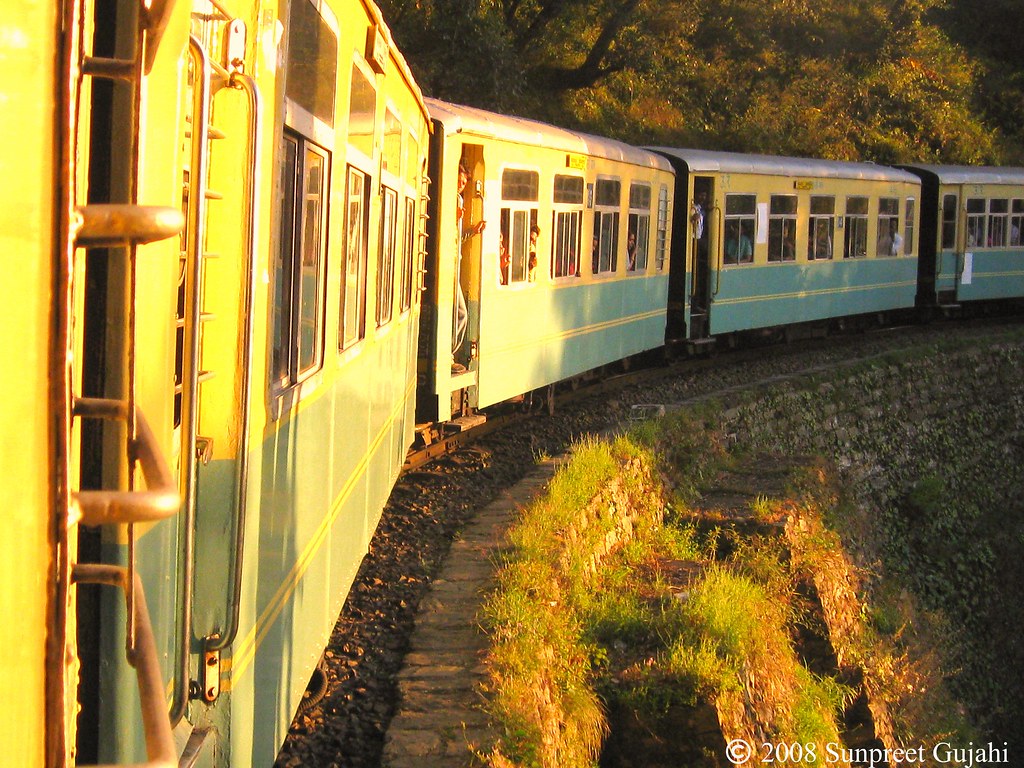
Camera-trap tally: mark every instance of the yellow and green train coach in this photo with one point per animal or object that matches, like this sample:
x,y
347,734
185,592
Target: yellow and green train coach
x,y
972,248
213,266
551,260
774,242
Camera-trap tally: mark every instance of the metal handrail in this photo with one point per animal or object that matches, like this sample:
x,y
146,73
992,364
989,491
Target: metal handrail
x,y
720,247
140,648
221,640
190,389
160,500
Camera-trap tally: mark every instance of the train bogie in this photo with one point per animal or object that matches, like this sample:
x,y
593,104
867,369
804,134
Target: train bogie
x,y
773,242
570,269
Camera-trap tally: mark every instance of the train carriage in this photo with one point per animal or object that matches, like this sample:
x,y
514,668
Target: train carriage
x,y
216,270
972,247
570,272
775,241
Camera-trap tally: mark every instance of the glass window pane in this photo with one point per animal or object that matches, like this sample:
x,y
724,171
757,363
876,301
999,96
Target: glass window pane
x,y
312,61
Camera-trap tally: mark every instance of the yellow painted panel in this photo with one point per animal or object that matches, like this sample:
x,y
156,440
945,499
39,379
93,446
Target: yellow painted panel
x,y
25,232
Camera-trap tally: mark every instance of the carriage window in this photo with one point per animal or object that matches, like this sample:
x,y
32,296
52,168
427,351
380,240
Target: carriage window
x,y
890,242
908,226
638,227
412,169
408,256
386,257
740,223
1017,224
391,159
362,112
662,245
520,185
821,228
998,215
949,221
782,228
517,257
312,61
606,226
353,297
566,226
855,242
975,222
299,274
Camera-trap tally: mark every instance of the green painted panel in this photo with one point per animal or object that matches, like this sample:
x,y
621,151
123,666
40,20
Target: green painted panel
x,y
764,296
993,275
536,335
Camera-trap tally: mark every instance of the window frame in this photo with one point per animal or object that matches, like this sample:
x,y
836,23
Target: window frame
x,y
909,226
884,221
998,221
976,220
520,208
352,308
855,225
740,209
566,227
1016,221
387,250
289,364
778,219
638,223
950,221
661,246
815,220
604,257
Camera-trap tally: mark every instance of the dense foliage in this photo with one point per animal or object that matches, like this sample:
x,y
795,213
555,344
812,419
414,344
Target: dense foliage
x,y
843,79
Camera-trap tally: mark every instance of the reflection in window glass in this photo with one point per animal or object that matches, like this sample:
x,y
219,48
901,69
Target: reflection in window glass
x,y
353,304
312,66
284,269
361,113
299,265
520,185
408,256
391,160
386,257
908,226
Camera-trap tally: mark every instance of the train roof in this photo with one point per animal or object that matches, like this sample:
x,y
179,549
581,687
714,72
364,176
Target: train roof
x,y
457,118
708,161
968,174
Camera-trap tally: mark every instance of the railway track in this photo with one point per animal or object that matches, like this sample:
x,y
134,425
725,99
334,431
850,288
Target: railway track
x,y
433,500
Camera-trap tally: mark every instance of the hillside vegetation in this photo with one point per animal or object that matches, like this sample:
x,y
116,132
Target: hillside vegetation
x,y
914,80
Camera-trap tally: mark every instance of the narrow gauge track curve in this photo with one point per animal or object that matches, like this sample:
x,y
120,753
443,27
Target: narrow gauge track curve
x,y
432,503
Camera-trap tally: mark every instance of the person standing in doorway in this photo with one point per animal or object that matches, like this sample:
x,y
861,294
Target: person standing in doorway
x,y
465,232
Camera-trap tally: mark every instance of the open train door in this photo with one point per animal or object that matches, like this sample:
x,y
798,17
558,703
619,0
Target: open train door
x,y
700,256
469,272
